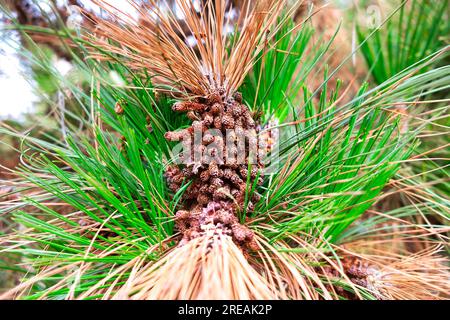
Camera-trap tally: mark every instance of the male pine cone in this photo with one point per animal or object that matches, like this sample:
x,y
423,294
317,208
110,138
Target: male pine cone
x,y
220,174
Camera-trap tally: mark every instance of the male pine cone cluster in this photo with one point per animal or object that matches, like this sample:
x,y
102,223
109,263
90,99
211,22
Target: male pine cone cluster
x,y
360,272
218,189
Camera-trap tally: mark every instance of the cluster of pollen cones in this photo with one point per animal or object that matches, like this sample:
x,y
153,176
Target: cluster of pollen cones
x,y
219,165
